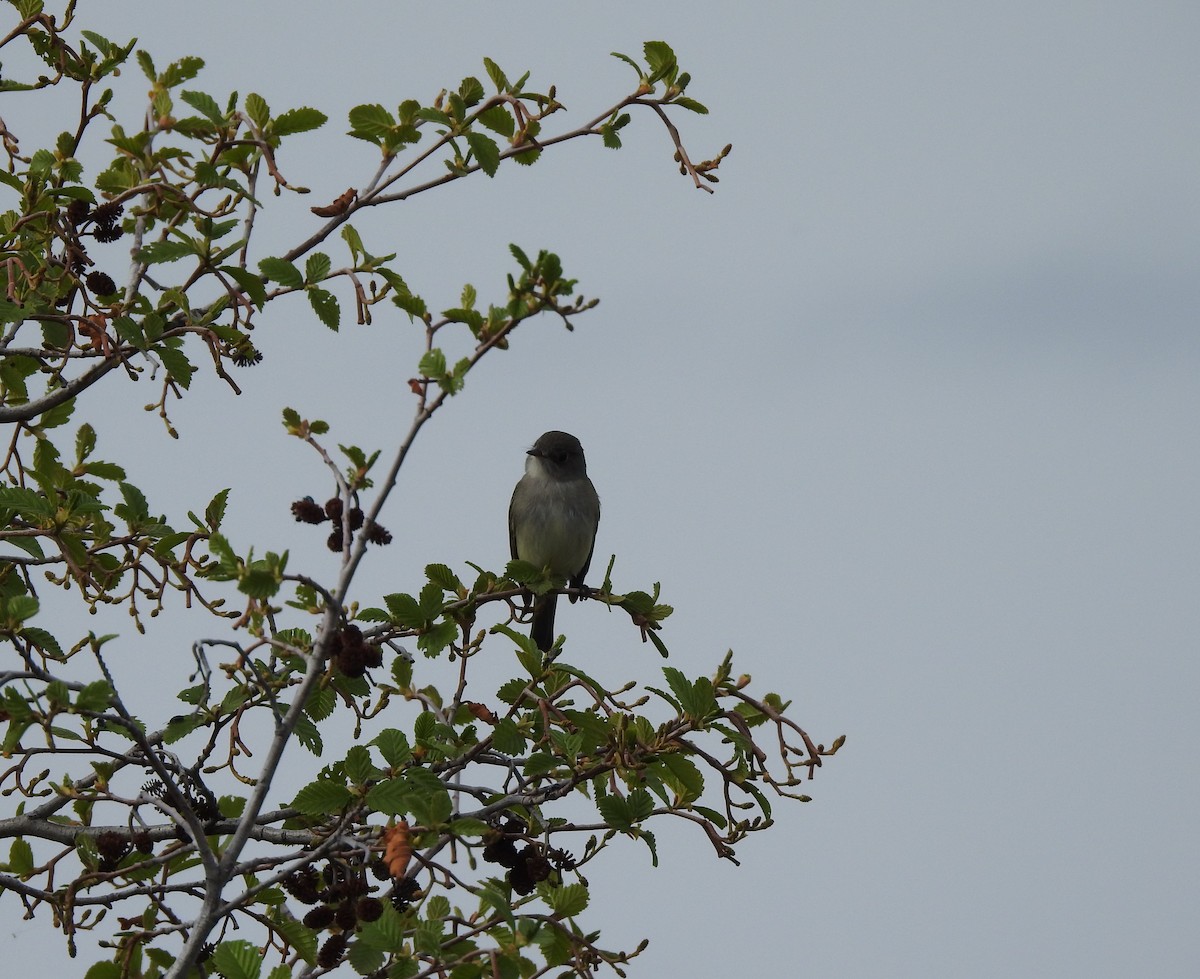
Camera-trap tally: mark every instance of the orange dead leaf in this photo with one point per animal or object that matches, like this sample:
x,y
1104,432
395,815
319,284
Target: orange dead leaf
x,y
94,328
338,206
397,848
481,712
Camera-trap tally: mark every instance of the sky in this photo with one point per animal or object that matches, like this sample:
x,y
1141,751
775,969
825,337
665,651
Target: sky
x,y
905,414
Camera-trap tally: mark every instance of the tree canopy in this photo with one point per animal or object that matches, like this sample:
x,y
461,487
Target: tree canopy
x,y
439,835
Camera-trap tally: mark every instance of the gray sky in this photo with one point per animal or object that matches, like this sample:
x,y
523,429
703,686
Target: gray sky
x,y
905,414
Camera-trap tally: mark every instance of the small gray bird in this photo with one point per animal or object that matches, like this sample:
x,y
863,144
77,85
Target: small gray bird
x,y
552,521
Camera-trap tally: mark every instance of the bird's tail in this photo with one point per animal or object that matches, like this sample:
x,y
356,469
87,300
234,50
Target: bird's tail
x,y
542,630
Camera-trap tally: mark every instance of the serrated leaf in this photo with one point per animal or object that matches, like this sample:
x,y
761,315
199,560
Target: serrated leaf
x,y
85,441
500,120
565,901
471,90
390,797
325,305
487,153
616,812
214,513
629,61
358,765
691,104
165,251
252,285
204,104
317,267
95,697
322,798
285,273
258,583
237,960
443,577
370,121
300,120
685,777
660,58
432,364
20,858
258,110
394,747
496,75
177,364
404,610
506,736
42,639
522,259
181,71
302,938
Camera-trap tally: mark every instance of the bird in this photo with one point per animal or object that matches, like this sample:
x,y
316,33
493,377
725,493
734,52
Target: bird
x,y
552,521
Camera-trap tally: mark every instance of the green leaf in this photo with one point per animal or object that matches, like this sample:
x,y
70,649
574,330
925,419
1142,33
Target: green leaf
x,y
181,71
60,414
437,638
258,110
629,61
322,798
317,267
616,812
685,778
251,284
261,583
298,121
85,441
506,736
302,938
177,364
390,797
433,363
214,513
404,610
566,901
165,251
429,801
285,273
358,765
394,747
371,122
680,685
237,960
135,509
660,58
203,103
325,305
95,697
522,259
691,104
471,90
365,960
500,120
147,65
20,858
487,153
496,75
42,639
443,577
